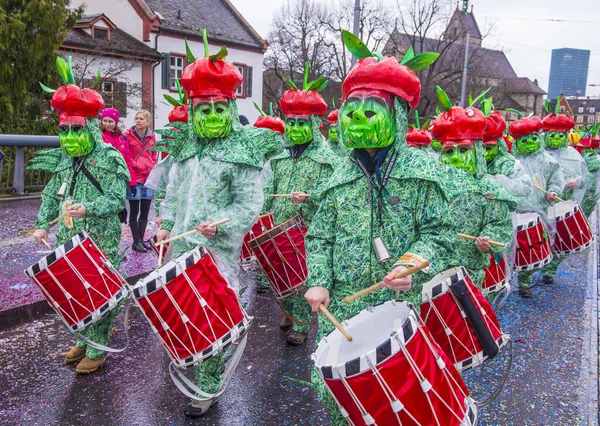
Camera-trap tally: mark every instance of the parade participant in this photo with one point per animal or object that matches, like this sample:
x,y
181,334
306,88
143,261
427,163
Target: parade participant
x,y
479,206
501,164
381,190
577,178
435,148
543,169
89,181
303,168
215,175
333,137
269,121
588,148
418,138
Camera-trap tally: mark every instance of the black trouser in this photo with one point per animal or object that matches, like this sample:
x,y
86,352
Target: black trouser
x,y
138,218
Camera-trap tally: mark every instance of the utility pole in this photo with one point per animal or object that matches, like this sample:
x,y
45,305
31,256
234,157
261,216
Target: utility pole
x,y
356,28
463,90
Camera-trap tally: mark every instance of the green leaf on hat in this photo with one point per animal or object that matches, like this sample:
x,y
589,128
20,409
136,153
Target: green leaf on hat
x,y
190,56
547,106
358,49
443,99
515,111
63,69
470,99
219,55
410,53
422,61
557,108
305,81
205,41
70,75
480,97
170,99
259,109
46,88
271,109
529,115
182,95
426,124
417,121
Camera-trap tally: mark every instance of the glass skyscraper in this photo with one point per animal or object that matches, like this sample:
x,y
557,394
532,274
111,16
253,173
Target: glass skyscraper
x,y
568,72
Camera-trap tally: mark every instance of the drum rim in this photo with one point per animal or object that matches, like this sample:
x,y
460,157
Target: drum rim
x,y
530,224
58,253
293,222
574,209
427,290
382,352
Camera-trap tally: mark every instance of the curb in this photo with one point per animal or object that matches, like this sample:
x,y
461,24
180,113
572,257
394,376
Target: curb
x,y
22,314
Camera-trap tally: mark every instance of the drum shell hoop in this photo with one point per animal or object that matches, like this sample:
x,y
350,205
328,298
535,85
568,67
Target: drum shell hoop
x,y
295,222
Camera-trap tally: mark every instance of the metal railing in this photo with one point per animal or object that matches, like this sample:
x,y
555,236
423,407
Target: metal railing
x,y
18,150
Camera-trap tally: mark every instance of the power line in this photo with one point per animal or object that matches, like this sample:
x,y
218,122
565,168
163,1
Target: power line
x,y
542,19
530,47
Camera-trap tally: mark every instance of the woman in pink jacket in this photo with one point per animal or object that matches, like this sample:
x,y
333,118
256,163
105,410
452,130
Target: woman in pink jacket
x,y
141,139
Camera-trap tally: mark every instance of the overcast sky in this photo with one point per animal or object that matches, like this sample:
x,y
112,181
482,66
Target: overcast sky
x,y
522,28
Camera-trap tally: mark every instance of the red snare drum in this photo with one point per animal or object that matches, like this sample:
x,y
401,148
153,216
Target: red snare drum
x,y
496,276
79,282
460,319
191,308
393,372
263,224
573,231
533,243
280,252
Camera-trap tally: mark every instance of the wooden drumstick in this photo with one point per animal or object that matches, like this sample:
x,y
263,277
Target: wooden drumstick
x,y
335,322
547,192
472,238
160,255
192,232
406,273
46,243
289,195
62,216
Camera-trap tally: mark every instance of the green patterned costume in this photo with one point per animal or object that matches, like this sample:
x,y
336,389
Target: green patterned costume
x,y
338,148
101,222
308,173
588,204
509,172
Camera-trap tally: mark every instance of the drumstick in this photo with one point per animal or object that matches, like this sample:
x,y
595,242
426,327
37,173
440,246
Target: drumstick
x,y
193,231
289,195
470,237
406,273
62,216
547,192
46,243
335,322
160,255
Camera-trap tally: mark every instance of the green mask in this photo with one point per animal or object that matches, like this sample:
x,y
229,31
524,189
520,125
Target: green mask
x,y
212,120
367,123
529,144
298,131
436,145
461,157
491,152
75,140
333,134
555,140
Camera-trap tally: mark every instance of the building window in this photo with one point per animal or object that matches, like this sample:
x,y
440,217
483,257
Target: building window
x,y
175,70
591,118
107,90
562,108
580,109
592,109
241,91
100,33
580,118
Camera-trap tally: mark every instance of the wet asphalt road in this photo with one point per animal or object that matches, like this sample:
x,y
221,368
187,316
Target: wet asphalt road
x,y
553,380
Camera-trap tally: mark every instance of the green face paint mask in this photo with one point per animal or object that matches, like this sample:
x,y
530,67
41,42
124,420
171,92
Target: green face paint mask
x,y
367,123
212,120
555,140
529,144
436,145
491,152
75,140
298,131
333,134
461,157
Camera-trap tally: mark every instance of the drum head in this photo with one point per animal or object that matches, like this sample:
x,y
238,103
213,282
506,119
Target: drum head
x,y
525,218
562,208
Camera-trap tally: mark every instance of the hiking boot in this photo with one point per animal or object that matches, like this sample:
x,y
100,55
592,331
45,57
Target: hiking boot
x,y
525,293
75,353
295,338
199,408
285,324
88,365
548,279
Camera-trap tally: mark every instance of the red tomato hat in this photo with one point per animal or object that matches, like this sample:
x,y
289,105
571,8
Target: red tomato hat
x,y
418,137
494,128
206,78
459,124
588,142
525,126
74,104
333,116
559,123
179,113
384,75
302,102
275,124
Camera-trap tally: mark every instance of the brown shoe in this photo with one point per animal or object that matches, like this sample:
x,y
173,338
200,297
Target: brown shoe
x,y
285,324
525,293
88,365
75,353
295,338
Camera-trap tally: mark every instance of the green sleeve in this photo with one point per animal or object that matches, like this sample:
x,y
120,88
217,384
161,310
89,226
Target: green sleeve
x,y
269,189
113,200
499,226
172,194
311,205
50,208
319,244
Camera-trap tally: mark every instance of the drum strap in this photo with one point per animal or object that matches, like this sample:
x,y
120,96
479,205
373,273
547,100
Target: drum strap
x,y
79,166
107,348
189,389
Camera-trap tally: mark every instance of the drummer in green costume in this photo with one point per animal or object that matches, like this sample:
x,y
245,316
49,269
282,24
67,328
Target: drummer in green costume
x,y
588,148
333,134
383,190
92,176
215,175
303,168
